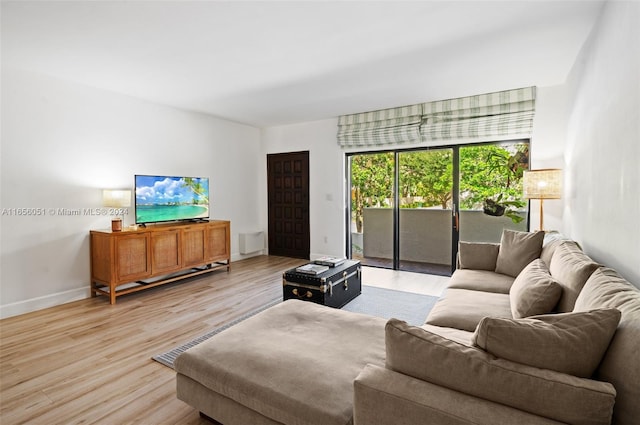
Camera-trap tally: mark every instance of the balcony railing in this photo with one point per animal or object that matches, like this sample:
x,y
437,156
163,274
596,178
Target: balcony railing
x,y
425,234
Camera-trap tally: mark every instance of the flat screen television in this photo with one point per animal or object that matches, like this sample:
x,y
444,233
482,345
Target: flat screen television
x,y
168,198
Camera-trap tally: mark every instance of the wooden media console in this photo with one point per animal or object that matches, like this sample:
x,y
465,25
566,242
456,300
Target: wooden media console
x,y
131,260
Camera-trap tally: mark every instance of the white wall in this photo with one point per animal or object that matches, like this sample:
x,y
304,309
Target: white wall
x,y
326,180
603,142
62,143
547,149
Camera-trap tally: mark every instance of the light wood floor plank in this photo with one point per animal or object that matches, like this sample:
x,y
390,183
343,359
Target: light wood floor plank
x,y
90,362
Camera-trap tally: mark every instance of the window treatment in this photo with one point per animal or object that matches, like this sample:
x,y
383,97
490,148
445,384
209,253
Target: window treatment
x,y
492,116
388,126
487,117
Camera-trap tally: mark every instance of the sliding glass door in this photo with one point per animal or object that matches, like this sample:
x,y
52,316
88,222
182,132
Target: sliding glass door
x,y
409,209
424,210
400,215
372,205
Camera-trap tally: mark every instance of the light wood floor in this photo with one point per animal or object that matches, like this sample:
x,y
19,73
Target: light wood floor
x,y
90,362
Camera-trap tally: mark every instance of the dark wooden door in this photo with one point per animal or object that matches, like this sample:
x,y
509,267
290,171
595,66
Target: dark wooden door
x,y
288,193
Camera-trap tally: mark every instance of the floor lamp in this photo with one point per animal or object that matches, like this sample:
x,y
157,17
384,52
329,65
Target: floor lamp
x,y
542,184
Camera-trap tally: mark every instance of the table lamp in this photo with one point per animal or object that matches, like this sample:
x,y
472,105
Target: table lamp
x,y
116,199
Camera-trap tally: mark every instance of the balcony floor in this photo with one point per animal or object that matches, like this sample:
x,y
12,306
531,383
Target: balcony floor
x,y
408,266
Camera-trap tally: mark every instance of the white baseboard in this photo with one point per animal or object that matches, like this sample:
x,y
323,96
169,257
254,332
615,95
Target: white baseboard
x,y
238,257
46,301
52,300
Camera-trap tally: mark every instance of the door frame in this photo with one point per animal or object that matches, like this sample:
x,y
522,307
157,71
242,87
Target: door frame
x,y
455,216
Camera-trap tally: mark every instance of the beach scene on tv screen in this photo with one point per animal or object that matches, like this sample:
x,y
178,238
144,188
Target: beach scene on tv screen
x,y
161,198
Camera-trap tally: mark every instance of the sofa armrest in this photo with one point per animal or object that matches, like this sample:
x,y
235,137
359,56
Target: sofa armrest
x,y
382,397
429,357
477,255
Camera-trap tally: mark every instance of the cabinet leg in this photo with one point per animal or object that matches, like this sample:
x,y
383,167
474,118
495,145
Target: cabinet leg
x,y
112,294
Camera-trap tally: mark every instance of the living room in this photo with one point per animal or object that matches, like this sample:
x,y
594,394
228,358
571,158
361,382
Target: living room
x,y
64,141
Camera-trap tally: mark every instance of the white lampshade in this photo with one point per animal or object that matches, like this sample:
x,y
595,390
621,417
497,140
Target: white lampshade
x,y
542,184
116,198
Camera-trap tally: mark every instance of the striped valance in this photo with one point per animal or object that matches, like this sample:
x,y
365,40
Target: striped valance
x,y
387,126
492,116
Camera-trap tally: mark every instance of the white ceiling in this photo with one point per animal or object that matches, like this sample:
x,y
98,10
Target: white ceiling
x,y
268,63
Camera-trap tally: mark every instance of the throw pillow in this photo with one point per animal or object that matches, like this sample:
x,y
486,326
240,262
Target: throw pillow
x,y
534,291
517,249
424,355
572,343
478,256
571,268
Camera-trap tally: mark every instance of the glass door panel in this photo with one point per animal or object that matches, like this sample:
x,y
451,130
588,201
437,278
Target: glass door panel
x,y
425,215
491,190
371,221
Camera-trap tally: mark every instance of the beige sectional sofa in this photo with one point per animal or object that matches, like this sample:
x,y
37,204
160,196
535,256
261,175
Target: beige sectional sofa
x,y
527,332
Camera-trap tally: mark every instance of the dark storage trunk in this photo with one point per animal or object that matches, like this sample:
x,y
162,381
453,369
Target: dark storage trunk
x,y
334,287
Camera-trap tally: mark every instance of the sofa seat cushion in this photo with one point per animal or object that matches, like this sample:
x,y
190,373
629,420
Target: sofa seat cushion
x,y
572,343
423,355
481,280
534,291
571,268
464,308
517,249
605,288
293,363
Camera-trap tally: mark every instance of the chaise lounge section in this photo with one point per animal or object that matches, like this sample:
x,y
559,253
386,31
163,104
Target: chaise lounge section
x,y
294,363
471,363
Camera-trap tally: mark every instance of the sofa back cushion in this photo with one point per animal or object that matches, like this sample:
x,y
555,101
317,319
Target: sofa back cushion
x,y
571,268
551,241
517,249
534,291
605,288
547,251
572,343
477,255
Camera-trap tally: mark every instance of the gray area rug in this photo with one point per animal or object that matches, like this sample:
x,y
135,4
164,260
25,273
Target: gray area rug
x,y
380,302
388,303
